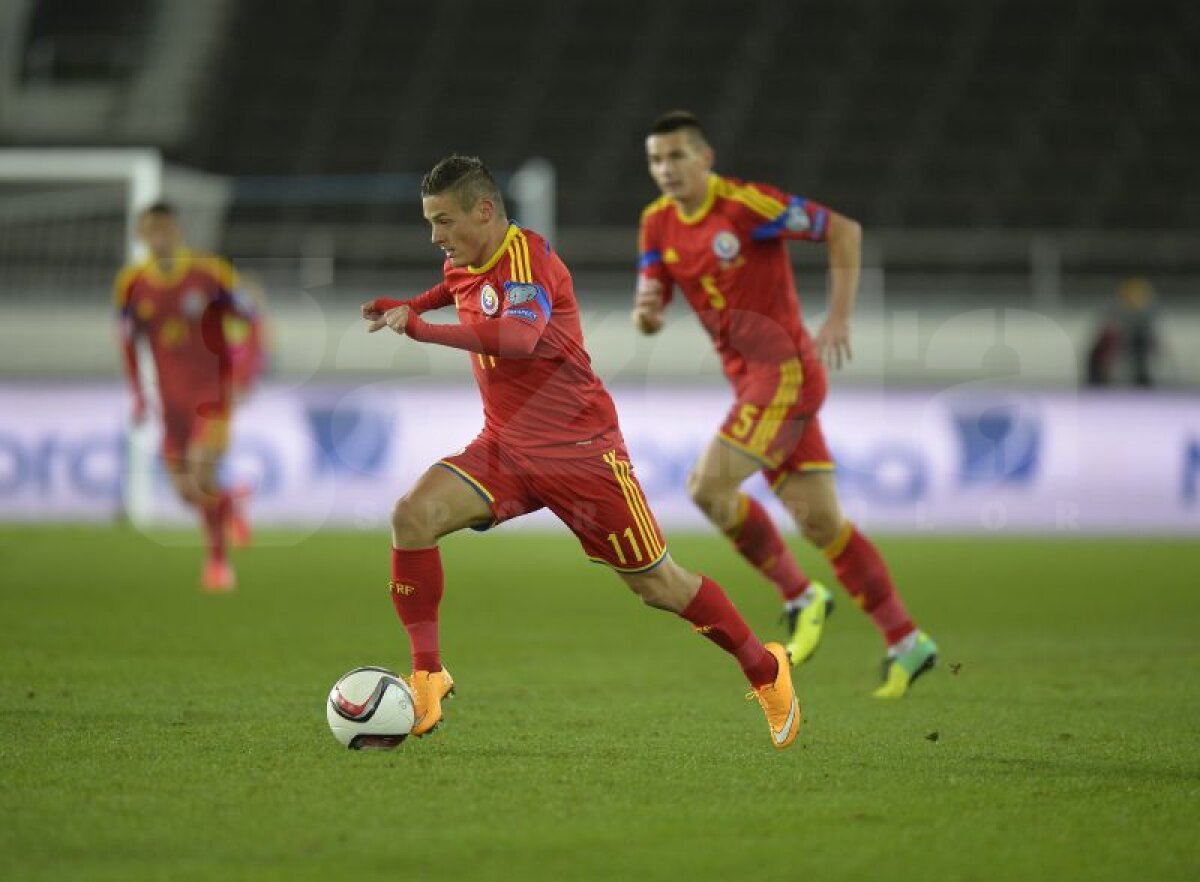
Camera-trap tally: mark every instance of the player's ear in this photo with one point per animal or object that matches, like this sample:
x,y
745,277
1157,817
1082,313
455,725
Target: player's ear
x,y
486,209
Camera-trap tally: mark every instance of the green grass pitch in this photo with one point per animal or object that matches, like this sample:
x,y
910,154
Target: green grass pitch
x,y
151,732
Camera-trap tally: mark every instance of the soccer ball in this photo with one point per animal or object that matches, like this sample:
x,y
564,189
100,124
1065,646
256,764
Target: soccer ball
x,y
370,709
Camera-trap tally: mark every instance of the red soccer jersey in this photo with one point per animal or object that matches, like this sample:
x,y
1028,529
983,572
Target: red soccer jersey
x,y
182,313
552,401
730,260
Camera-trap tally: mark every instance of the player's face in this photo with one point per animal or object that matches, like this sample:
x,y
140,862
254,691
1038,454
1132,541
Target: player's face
x,y
160,233
462,234
680,165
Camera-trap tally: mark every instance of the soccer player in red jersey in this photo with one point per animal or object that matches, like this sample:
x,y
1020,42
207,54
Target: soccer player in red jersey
x,y
722,242
550,440
180,301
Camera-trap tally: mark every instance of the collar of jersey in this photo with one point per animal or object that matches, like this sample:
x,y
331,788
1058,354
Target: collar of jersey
x,y
181,260
513,229
702,212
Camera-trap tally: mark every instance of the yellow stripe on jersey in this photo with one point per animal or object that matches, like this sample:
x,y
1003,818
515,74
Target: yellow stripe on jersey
x,y
757,201
656,206
637,503
514,265
519,263
524,240
123,283
790,378
220,269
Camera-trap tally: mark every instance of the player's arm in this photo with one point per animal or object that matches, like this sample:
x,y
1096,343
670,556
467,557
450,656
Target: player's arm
x,y
229,296
513,334
769,213
653,283
127,328
844,243
435,298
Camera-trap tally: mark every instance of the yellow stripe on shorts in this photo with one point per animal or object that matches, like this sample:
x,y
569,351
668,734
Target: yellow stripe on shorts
x,y
636,503
786,393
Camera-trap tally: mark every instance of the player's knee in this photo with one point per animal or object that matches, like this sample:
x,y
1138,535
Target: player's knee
x,y
712,498
412,527
667,587
820,527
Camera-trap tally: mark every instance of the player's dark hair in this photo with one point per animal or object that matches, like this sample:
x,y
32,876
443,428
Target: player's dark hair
x,y
161,208
679,121
467,178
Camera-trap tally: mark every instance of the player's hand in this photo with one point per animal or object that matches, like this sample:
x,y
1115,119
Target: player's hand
x,y
648,307
395,318
833,342
370,311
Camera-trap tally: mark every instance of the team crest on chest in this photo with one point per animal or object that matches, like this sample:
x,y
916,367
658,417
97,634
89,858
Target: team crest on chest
x,y
726,245
489,300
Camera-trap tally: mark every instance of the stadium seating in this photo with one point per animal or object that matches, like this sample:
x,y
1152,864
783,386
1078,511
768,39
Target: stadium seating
x,y
908,114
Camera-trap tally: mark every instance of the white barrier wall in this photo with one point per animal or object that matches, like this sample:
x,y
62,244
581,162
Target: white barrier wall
x,y
968,459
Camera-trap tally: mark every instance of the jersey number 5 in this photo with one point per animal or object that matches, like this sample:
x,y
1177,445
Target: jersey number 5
x,y
747,414
715,298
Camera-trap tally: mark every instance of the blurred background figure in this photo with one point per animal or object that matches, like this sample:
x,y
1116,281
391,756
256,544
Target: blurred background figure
x,y
247,336
1126,344
176,305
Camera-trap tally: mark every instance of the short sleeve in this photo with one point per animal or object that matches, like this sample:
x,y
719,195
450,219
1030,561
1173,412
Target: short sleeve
x,y
525,296
650,252
764,212
123,288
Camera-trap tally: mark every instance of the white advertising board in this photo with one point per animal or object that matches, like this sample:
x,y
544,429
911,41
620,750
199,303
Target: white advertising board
x,y
964,461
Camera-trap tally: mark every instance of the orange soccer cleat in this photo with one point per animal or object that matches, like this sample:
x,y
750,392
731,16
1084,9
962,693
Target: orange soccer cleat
x,y
428,689
778,700
218,577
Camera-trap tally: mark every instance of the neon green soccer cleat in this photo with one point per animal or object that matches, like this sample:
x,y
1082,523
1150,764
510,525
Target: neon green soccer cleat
x,y
805,626
901,671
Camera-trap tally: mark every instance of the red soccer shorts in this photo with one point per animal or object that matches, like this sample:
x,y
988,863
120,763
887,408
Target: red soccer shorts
x,y
597,496
774,420
202,424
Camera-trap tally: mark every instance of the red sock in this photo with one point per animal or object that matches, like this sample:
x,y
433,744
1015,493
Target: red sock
x,y
216,516
864,574
713,616
417,585
759,542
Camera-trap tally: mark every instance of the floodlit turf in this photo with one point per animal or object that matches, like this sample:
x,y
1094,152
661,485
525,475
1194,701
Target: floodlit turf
x,y
150,732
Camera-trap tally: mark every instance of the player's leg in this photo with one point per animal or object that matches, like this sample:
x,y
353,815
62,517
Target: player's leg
x,y
812,499
206,449
600,500
715,486
451,495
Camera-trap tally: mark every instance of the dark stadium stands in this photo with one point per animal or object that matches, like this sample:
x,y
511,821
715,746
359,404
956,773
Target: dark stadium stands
x,y
1013,116
927,113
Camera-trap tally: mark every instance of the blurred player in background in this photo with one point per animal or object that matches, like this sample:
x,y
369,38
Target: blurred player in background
x,y
246,334
722,242
1127,334
179,302
550,440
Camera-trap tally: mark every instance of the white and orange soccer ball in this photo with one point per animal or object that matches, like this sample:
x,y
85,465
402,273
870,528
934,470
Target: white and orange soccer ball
x,y
370,709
